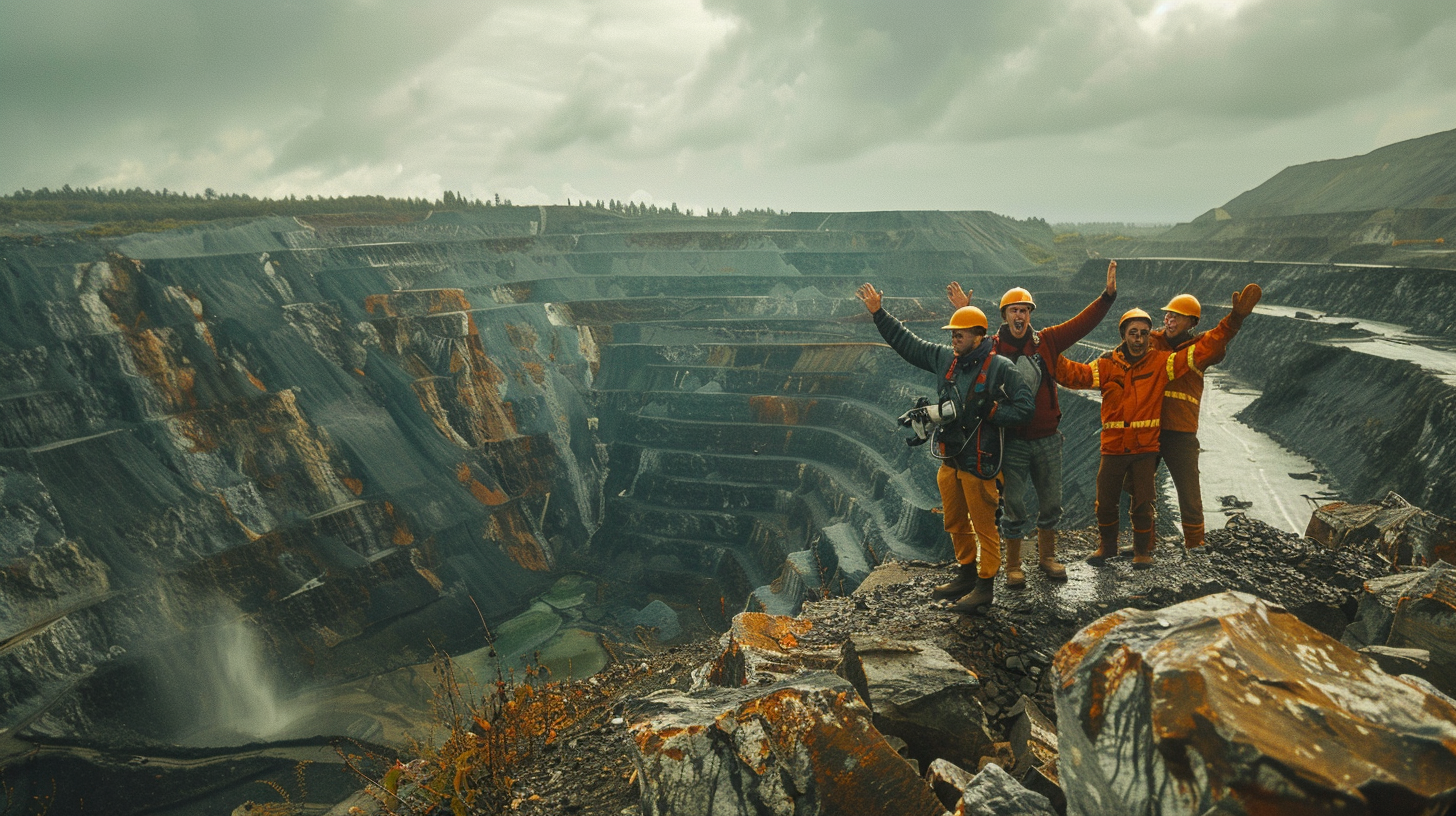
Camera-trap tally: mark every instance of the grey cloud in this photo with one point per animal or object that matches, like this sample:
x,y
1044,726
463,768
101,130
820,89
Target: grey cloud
x,y
81,76
828,79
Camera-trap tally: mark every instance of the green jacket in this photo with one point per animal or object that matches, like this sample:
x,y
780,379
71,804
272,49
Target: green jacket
x,y
1005,399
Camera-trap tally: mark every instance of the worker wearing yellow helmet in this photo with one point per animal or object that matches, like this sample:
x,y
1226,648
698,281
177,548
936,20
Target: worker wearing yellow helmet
x,y
1134,379
978,394
1034,452
1178,444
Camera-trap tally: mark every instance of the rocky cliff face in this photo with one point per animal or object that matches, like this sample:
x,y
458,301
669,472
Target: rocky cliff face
x,y
332,449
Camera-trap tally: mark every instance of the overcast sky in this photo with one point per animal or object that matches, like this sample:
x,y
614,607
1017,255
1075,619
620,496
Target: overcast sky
x,y
1136,110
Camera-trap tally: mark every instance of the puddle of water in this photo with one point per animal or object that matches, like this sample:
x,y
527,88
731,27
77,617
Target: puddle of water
x,y
1237,460
1391,341
1438,361
1373,326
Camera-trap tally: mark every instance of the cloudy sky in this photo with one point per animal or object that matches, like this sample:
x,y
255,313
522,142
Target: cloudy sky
x,y
1136,110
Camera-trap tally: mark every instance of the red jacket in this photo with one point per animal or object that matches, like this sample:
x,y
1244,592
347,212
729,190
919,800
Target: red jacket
x,y
1049,344
1132,390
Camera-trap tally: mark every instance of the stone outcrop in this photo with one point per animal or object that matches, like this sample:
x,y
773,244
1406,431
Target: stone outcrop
x,y
1413,611
1400,532
1231,704
992,792
803,746
923,696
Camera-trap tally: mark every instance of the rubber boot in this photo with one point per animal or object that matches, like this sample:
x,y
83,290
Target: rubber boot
x,y
1046,551
1142,549
1106,548
1193,537
1014,576
982,596
963,582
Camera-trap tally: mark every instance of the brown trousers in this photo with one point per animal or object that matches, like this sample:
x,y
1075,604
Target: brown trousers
x,y
1180,451
970,518
1139,471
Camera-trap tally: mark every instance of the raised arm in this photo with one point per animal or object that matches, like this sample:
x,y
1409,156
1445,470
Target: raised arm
x,y
959,297
932,357
1212,344
1075,375
1065,335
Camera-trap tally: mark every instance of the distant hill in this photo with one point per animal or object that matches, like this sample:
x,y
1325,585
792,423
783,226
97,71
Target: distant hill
x,y
1414,174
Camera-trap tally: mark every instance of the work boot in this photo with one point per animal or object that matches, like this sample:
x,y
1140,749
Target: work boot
x,y
1193,537
1142,549
1014,576
1046,551
1106,547
964,582
985,589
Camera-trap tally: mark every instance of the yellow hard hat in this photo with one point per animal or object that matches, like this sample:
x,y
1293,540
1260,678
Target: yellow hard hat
x,y
1133,314
1015,296
967,317
1186,305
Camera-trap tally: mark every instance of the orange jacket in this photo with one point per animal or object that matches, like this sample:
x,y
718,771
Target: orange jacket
x,y
1183,395
1132,391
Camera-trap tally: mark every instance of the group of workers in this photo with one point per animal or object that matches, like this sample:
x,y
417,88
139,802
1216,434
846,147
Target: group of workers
x,y
999,434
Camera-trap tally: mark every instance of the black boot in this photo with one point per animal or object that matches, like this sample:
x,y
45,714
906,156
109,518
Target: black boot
x,y
981,596
964,582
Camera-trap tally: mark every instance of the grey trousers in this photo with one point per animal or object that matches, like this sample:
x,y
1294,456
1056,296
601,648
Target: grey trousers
x,y
1035,463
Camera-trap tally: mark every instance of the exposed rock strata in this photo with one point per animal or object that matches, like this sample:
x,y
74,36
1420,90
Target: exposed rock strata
x,y
1226,702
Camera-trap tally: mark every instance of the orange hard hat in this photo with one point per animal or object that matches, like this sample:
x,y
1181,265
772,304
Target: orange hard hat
x,y
1133,314
968,317
1016,296
1186,305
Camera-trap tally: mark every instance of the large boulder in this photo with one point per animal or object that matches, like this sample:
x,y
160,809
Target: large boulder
x,y
992,792
920,694
802,747
1413,610
1394,528
761,649
1227,704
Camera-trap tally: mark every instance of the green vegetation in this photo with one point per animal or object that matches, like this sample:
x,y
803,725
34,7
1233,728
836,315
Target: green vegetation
x,y
138,206
120,212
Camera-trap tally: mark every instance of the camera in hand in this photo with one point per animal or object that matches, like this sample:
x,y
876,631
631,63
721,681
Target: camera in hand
x,y
923,419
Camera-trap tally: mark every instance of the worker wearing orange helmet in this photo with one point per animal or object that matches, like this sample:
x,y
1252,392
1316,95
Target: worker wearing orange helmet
x,y
1133,379
1034,452
1178,442
985,394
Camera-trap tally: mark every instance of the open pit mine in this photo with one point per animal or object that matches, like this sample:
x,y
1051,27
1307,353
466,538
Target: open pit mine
x,y
255,475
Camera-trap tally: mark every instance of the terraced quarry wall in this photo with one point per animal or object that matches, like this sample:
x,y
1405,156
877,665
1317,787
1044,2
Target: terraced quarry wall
x,y
357,444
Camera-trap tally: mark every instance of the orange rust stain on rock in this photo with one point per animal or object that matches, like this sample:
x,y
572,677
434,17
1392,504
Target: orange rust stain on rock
x,y
378,304
512,533
536,371
355,486
257,383
402,536
776,410
1075,650
524,338
157,361
431,578
482,493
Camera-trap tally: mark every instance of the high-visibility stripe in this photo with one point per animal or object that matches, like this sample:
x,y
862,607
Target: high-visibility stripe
x,y
1194,368
1182,396
1096,375
1171,358
1141,423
